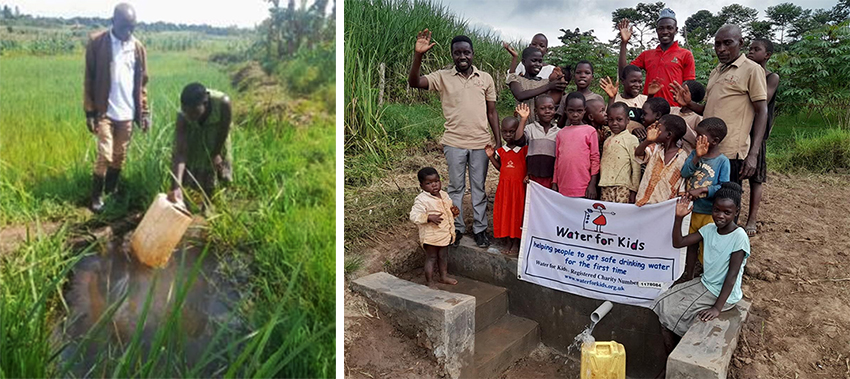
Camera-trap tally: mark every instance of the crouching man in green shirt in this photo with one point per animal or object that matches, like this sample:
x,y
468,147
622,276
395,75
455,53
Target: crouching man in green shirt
x,y
201,141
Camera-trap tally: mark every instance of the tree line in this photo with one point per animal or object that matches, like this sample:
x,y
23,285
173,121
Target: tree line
x,y
812,49
13,17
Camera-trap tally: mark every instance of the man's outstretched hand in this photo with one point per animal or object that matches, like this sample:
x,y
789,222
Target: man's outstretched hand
x,y
423,42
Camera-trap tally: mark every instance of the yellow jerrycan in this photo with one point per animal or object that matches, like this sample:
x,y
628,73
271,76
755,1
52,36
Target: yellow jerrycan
x,y
603,360
160,231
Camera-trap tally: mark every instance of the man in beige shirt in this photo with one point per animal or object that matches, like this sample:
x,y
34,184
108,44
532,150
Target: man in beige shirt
x,y
468,97
736,93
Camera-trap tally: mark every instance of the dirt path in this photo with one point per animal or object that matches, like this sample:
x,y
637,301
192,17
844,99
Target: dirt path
x,y
12,236
798,278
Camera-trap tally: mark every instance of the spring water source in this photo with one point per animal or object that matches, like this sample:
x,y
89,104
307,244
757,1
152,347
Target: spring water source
x,y
114,280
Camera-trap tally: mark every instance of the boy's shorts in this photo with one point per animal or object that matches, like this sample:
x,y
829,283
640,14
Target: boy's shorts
x,y
698,220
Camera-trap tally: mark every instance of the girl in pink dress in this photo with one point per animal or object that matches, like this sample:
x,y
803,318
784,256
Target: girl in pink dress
x,y
576,153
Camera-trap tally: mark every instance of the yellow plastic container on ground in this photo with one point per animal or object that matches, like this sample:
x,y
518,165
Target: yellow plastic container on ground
x,y
603,360
160,231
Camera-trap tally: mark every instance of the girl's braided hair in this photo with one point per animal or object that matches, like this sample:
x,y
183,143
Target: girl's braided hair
x,y
731,191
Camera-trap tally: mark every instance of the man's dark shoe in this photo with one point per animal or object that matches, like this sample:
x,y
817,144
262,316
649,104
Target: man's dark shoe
x,y
97,194
111,181
458,236
481,240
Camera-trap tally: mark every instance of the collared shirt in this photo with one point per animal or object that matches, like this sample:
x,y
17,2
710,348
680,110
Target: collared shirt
x,y
661,181
675,63
618,167
426,204
464,101
729,96
540,161
121,106
515,149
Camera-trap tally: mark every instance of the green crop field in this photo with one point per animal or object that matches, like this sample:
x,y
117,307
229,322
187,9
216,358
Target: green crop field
x,y
278,216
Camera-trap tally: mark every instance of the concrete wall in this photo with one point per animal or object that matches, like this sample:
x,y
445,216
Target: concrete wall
x,y
562,316
442,322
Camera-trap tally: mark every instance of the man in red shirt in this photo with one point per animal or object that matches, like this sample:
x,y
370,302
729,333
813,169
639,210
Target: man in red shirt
x,y
666,63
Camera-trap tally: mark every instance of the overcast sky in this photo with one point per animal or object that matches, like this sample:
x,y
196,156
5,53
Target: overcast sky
x,y
521,19
242,13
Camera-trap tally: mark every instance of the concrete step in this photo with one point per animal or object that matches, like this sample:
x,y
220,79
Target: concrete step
x,y
491,302
497,347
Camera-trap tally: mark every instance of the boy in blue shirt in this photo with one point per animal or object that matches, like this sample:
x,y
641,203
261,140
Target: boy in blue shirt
x,y
704,171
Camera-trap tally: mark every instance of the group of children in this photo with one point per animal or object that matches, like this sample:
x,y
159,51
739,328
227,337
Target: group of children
x,y
632,148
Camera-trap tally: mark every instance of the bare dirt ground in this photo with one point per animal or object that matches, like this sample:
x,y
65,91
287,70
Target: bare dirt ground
x,y
798,278
11,236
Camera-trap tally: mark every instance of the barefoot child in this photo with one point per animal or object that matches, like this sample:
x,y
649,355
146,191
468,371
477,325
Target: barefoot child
x,y
760,52
719,289
619,172
663,177
576,153
541,135
433,212
704,171
510,194
583,78
527,86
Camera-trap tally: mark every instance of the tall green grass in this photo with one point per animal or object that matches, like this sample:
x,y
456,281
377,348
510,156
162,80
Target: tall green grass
x,y
822,152
384,32
46,152
279,211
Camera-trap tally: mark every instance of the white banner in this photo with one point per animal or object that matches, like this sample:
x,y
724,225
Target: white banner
x,y
607,251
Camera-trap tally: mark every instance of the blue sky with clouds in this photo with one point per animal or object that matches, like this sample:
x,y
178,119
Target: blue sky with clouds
x,y
521,19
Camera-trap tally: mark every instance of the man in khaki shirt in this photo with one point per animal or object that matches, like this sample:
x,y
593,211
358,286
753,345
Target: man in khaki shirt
x,y
468,97
736,93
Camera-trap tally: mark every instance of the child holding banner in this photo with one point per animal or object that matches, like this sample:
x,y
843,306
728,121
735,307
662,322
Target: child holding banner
x,y
510,194
719,289
433,212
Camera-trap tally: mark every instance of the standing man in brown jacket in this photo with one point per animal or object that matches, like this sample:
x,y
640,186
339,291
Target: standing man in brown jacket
x,y
115,96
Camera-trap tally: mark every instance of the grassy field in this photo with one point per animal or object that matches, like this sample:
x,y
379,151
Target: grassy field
x,y
279,211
